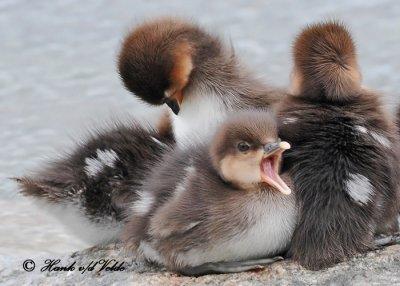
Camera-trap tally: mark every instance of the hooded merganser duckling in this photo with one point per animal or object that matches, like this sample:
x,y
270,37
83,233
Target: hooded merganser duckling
x,y
178,63
90,189
343,161
214,206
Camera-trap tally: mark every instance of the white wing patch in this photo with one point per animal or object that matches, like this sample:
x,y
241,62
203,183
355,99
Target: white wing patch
x,y
103,158
289,120
381,139
143,205
158,141
361,129
359,188
376,136
181,186
191,225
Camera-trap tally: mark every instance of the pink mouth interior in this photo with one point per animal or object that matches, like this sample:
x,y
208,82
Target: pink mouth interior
x,y
269,174
268,167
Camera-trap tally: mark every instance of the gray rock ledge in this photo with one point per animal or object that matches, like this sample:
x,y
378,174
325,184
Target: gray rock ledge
x,y
380,267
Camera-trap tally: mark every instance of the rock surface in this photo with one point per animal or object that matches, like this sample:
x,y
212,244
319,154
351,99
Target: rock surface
x,y
380,267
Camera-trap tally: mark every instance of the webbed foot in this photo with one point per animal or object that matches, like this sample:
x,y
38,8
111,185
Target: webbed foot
x,y
386,240
229,267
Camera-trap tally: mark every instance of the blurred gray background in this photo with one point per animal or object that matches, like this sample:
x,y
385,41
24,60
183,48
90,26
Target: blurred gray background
x,y
58,77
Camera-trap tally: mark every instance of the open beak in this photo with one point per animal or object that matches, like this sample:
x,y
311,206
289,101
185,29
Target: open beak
x,y
174,101
270,166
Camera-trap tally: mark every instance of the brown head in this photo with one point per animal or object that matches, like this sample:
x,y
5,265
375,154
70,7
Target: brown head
x,y
247,152
325,63
158,59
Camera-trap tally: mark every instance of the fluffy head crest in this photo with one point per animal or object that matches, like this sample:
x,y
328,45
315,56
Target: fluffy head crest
x,y
325,63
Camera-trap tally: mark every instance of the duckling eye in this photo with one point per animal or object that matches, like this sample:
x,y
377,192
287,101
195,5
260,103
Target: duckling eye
x,y
243,146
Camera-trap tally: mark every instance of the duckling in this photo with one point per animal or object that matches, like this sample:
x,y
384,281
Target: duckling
x,y
219,206
89,190
173,62
343,160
